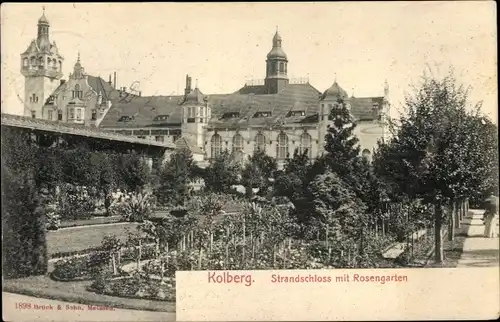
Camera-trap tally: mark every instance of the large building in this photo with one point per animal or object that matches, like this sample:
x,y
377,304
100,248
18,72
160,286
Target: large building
x,y
276,115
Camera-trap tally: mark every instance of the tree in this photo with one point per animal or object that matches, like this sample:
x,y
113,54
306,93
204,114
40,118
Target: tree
x,y
341,145
174,178
258,172
433,153
221,173
134,171
24,247
293,183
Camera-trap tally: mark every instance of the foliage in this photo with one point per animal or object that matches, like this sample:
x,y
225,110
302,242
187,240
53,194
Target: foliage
x,y
436,150
258,171
74,202
133,171
23,214
138,207
174,178
221,173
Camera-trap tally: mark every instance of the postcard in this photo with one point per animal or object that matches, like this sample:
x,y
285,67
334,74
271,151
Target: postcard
x,y
300,161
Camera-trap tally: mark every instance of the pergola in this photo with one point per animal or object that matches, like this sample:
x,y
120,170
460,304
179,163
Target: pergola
x,y
49,133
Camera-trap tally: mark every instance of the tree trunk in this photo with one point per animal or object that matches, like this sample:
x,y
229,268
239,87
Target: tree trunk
x,y
451,221
199,258
457,212
438,236
113,261
119,257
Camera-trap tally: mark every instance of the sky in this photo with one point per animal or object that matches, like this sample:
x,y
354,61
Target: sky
x,y
222,45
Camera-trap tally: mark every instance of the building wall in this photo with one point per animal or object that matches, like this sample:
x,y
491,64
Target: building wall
x,y
42,87
89,99
271,137
368,134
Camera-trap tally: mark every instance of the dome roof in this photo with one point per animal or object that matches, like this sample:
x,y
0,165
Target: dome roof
x,y
277,52
195,96
43,19
335,92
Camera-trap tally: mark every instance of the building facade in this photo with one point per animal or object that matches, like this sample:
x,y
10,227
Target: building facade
x,y
276,115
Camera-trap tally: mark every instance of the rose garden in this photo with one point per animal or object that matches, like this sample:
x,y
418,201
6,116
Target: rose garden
x,y
337,211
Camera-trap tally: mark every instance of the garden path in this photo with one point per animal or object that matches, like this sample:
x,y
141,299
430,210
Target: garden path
x,y
479,251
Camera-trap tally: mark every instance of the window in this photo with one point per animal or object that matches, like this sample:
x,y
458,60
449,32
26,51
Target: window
x,y
260,142
59,115
141,137
161,117
26,62
237,143
71,112
282,67
78,114
305,144
159,138
94,115
33,61
282,146
49,115
33,114
77,93
262,114
202,111
125,118
231,115
216,145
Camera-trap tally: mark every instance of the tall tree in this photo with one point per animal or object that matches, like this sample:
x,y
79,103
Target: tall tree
x,y
432,154
174,178
258,171
221,173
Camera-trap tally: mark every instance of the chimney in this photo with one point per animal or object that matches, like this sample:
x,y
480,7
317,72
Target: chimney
x,y
114,81
109,82
187,90
140,93
62,81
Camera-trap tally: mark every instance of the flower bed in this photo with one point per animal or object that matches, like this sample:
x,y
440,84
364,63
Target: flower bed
x,y
137,286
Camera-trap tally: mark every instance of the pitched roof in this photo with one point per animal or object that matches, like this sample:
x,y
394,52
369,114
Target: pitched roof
x,y
247,107
75,129
362,107
183,143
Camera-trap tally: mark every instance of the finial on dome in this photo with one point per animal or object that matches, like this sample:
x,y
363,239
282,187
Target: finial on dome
x,y
335,78
78,60
43,8
196,84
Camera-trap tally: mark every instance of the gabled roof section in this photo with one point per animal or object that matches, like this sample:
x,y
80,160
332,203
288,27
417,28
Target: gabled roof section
x,y
302,97
363,107
183,143
145,109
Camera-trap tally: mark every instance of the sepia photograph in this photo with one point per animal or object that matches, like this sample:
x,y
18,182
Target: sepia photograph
x,y
141,141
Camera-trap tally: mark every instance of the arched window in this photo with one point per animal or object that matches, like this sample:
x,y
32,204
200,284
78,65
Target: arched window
x,y
48,61
54,63
40,61
237,143
282,146
282,67
305,144
216,145
260,142
77,92
202,110
26,62
33,61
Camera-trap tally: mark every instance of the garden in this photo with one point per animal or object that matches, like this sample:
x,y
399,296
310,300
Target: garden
x,y
339,210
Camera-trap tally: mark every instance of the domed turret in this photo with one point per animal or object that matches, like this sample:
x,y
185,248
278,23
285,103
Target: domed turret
x,y
43,20
276,67
277,51
335,92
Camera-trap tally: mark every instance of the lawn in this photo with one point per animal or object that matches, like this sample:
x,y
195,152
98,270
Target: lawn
x,y
81,238
91,221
